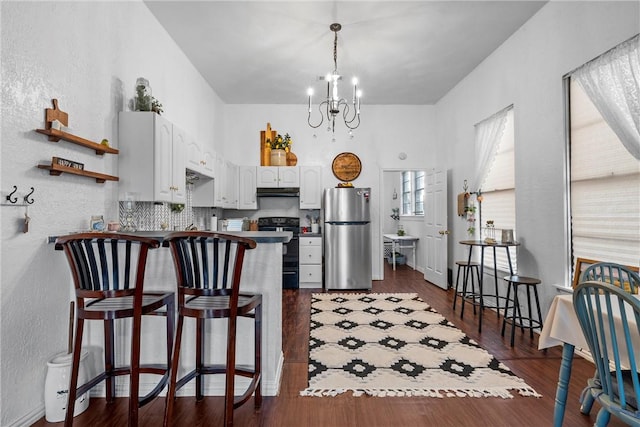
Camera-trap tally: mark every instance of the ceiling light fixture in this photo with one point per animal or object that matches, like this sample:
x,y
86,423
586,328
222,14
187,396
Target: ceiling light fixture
x,y
334,103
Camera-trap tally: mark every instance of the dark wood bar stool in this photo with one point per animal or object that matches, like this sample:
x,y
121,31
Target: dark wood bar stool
x,y
108,273
466,268
523,322
208,269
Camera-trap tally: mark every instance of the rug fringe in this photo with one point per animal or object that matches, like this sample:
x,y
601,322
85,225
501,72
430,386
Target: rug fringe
x,y
351,295
502,393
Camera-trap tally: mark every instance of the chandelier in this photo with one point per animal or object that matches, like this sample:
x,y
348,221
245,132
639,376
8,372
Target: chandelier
x,y
333,105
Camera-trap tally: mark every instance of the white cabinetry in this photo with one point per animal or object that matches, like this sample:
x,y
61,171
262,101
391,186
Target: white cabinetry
x,y
310,262
199,159
208,158
220,178
247,187
225,184
310,187
152,157
231,186
278,176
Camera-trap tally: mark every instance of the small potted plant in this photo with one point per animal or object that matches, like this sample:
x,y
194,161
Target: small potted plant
x,y
279,147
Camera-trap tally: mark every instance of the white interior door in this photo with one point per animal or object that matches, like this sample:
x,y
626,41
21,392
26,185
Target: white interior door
x,y
436,233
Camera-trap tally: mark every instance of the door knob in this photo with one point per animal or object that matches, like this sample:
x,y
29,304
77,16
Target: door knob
x,y
443,232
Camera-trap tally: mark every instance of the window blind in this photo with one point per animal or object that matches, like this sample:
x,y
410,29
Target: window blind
x,y
605,188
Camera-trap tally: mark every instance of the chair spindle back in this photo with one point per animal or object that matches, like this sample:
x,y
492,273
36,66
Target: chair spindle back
x,y
106,264
207,262
616,274
611,343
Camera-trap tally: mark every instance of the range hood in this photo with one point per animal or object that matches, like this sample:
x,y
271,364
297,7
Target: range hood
x,y
278,192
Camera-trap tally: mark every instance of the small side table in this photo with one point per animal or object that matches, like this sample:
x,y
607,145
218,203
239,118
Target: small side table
x,y
401,242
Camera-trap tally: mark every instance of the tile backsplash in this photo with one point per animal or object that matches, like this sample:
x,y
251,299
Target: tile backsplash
x,y
151,216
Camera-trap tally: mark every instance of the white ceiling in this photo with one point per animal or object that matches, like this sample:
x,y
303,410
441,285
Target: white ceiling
x,y
403,52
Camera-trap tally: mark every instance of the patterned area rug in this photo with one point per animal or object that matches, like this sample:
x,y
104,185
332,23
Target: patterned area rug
x,y
397,345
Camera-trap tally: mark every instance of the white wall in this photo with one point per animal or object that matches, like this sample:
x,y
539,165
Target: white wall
x,y
385,132
88,56
527,71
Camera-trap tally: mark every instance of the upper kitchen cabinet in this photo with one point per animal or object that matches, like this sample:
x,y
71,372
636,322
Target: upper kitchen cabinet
x,y
200,159
225,183
278,176
310,187
152,157
231,186
220,181
247,187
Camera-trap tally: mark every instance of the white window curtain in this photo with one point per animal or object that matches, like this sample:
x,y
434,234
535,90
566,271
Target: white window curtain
x,y
612,82
488,134
498,191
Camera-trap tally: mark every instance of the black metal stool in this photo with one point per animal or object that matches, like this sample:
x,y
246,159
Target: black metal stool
x,y
524,322
467,272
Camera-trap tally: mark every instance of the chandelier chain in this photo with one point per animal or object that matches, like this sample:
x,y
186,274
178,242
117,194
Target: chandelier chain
x,y
335,52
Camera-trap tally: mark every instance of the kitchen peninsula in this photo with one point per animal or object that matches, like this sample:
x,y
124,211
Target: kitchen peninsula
x,y
261,273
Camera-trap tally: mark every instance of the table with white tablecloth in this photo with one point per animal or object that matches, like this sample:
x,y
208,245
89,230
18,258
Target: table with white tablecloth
x,y
562,327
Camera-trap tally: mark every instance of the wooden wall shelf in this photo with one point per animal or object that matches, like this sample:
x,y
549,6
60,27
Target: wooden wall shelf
x,y
56,135
56,170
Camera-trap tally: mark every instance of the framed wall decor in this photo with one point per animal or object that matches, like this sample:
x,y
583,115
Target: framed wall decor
x,y
346,166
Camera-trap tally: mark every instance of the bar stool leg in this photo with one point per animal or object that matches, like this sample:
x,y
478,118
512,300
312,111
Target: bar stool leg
x,y
516,306
257,399
75,367
515,288
480,286
473,284
495,280
171,392
134,377
506,306
199,359
530,312
455,294
109,360
464,291
535,294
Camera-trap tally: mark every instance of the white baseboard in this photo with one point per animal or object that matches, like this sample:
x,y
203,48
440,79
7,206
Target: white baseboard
x,y
29,419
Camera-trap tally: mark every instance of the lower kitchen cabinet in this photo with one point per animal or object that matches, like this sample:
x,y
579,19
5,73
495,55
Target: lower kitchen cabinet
x,y
310,261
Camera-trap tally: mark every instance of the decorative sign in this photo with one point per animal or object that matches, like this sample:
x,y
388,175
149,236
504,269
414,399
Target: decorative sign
x,y
346,166
68,163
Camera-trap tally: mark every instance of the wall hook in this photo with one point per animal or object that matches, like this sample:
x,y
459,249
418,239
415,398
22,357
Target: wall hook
x,y
26,198
15,199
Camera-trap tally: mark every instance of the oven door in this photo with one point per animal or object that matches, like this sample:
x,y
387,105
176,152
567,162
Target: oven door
x,y
290,269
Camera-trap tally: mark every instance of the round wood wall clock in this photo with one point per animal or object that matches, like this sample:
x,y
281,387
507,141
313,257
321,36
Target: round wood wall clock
x,y
346,166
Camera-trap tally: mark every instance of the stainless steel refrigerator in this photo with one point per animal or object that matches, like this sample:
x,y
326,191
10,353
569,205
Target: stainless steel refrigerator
x,y
347,238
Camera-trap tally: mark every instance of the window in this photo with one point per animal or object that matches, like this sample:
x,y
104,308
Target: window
x,y
604,182
412,193
499,194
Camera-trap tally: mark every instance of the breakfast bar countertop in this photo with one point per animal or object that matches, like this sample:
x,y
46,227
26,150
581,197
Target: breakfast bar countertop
x,y
258,236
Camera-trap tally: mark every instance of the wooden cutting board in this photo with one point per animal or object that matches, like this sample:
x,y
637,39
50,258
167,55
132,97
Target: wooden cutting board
x,y
56,114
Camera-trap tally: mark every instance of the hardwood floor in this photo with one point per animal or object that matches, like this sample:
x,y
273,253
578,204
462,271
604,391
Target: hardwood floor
x,y
537,368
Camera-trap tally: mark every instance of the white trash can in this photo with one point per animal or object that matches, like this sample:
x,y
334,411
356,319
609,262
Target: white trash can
x,y
56,387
